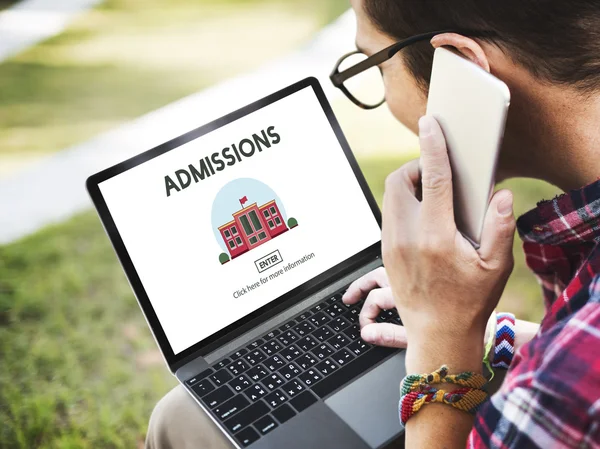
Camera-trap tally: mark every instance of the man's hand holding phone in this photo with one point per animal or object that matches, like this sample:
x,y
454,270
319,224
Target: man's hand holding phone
x,y
444,289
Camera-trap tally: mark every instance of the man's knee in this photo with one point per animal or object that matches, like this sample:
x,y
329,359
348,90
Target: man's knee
x,y
177,422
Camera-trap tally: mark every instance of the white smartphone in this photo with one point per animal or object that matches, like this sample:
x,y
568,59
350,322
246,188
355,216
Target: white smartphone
x,y
471,106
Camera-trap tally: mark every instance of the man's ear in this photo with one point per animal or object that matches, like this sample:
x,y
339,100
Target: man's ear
x,y
465,45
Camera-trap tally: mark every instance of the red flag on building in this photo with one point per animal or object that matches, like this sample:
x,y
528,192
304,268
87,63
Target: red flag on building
x,y
243,200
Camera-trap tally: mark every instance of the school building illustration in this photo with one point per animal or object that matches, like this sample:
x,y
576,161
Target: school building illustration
x,y
252,226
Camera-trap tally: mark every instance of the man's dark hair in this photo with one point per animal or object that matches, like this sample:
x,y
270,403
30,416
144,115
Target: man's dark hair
x,y
557,40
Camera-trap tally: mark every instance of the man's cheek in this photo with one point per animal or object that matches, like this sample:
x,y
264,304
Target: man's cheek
x,y
401,106
399,109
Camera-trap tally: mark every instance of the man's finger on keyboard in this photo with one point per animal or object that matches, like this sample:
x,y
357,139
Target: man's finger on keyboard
x,y
363,285
384,334
377,300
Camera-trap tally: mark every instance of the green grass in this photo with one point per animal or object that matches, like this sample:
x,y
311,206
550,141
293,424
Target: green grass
x,y
129,57
72,344
79,366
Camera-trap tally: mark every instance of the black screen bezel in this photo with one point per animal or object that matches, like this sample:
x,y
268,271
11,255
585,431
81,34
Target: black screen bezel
x,y
279,304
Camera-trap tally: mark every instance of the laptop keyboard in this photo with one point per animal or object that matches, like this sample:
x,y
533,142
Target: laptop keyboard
x,y
256,389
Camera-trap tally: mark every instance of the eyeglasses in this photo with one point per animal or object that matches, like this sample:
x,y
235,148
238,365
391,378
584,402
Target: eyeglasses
x,y
360,77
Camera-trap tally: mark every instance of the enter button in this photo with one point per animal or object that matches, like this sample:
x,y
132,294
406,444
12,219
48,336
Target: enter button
x,y
268,261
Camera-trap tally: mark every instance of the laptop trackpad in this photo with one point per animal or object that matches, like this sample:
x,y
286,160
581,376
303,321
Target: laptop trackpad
x,y
369,405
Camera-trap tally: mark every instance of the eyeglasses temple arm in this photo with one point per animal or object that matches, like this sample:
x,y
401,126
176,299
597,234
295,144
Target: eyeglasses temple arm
x,y
338,78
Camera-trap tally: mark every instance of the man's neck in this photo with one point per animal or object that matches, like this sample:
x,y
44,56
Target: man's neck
x,y
557,136
573,143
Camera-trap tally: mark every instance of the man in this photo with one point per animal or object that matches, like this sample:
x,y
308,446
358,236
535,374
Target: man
x,y
548,52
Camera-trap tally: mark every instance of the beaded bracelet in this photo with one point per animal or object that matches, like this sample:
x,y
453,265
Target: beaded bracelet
x,y
465,399
504,348
414,382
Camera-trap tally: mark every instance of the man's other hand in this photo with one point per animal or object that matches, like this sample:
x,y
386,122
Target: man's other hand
x,y
374,286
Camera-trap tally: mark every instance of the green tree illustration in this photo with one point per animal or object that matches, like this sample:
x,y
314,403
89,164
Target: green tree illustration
x,y
223,258
292,223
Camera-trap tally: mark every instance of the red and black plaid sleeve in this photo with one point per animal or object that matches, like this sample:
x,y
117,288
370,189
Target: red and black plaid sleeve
x,y
551,394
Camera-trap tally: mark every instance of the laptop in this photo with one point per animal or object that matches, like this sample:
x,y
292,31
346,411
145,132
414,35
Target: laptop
x,y
239,239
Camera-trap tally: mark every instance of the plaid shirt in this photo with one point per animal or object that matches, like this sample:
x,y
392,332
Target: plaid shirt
x,y
550,397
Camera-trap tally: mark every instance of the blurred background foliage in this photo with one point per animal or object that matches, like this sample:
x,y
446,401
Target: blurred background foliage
x,y
128,57
6,3
78,365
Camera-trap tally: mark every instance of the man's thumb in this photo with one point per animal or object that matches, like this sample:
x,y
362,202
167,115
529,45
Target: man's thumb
x,y
498,229
384,334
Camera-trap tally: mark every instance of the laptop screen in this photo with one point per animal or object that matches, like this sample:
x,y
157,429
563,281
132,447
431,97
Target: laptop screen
x,y
229,222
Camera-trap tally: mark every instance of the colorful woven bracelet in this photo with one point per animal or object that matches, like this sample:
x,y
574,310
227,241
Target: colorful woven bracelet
x,y
504,348
416,382
465,399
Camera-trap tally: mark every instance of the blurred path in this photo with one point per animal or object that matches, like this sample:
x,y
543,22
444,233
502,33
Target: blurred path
x,y
54,189
31,21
